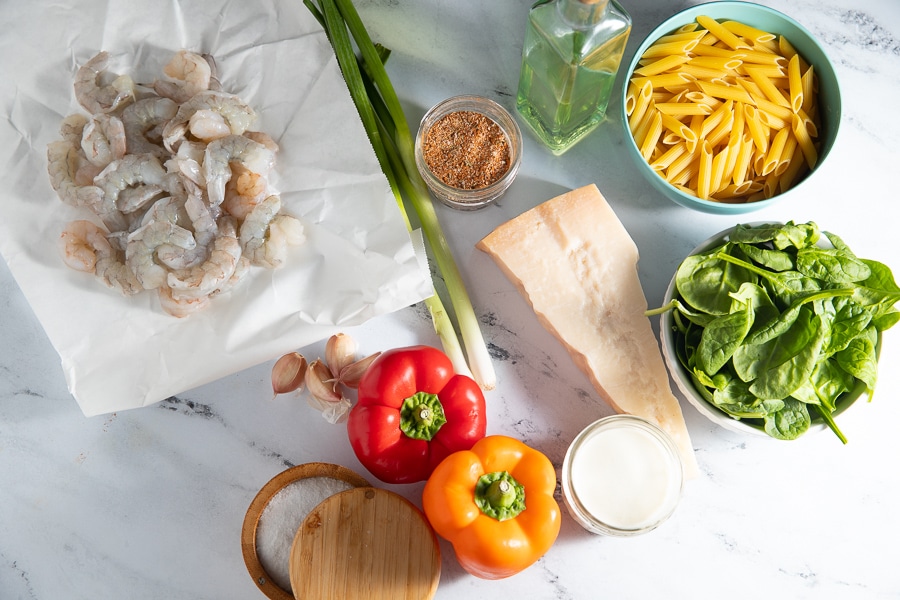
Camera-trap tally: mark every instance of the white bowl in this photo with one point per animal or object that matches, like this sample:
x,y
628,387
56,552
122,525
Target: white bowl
x,y
684,381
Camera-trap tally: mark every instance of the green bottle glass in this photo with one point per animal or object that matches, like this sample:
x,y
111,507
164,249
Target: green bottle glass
x,y
570,57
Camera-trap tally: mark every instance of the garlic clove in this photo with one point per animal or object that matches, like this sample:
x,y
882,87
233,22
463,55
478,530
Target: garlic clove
x,y
340,351
352,373
288,373
319,382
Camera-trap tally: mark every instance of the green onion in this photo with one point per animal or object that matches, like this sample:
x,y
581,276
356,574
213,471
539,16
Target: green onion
x,y
383,119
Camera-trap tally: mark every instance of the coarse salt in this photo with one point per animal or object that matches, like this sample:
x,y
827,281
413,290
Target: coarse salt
x,y
282,517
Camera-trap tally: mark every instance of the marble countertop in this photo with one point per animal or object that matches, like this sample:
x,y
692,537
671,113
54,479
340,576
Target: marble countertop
x,y
149,503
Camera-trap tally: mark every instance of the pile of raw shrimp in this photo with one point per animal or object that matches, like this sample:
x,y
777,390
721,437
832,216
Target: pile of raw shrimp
x,y
177,184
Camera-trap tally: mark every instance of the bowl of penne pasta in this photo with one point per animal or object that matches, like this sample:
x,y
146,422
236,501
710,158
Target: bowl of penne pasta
x,y
729,106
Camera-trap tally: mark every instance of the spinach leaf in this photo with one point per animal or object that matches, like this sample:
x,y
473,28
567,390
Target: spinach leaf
x,y
789,235
847,319
825,387
860,358
721,337
786,286
885,321
777,260
804,235
790,422
781,322
752,360
764,310
831,265
737,400
705,282
879,291
780,379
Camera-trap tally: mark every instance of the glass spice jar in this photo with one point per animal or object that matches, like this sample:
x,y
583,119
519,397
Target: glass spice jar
x,y
468,150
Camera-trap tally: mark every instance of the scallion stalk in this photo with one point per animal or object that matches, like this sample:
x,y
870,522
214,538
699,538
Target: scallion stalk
x,y
385,123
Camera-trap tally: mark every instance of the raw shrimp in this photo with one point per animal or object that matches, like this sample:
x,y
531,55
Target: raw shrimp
x,y
205,231
237,113
142,245
144,117
266,234
215,272
243,192
191,73
180,307
84,247
132,199
72,128
187,162
208,125
168,208
234,148
130,171
103,139
97,98
64,159
263,138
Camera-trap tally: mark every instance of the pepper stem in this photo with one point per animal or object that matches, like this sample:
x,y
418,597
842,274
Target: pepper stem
x,y
499,495
421,416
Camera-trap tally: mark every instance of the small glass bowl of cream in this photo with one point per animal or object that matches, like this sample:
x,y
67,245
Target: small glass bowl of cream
x,y
622,476
468,150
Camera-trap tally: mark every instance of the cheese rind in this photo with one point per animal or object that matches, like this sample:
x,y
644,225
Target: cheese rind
x,y
575,263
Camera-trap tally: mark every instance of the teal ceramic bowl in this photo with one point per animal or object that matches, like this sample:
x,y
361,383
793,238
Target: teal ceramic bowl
x,y
766,19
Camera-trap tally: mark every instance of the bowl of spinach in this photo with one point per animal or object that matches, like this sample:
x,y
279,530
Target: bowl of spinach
x,y
775,328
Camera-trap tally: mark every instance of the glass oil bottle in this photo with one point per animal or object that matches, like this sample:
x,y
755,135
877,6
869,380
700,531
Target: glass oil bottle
x,y
570,57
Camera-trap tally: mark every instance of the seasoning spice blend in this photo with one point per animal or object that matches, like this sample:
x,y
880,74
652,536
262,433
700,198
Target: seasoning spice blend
x,y
466,150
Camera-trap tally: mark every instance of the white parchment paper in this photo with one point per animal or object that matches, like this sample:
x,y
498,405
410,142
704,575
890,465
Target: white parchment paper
x,y
358,262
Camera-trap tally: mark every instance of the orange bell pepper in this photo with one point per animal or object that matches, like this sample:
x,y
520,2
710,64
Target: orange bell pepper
x,y
494,503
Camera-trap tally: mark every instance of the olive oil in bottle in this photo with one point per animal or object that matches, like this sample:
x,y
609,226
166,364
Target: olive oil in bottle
x,y
571,54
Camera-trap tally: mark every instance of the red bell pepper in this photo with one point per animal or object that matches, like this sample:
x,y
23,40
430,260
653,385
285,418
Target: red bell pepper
x,y
412,412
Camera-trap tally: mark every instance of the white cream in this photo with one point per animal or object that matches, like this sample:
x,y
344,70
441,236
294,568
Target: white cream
x,y
623,475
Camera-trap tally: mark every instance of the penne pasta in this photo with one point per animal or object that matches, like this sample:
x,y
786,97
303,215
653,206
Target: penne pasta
x,y
808,79
630,97
758,131
795,84
704,174
769,89
725,92
787,154
725,111
746,31
641,104
722,63
665,160
669,48
774,153
716,117
721,33
763,58
662,65
666,80
683,108
805,142
654,130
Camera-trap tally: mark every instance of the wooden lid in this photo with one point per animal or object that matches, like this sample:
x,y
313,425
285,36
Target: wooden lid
x,y
251,520
365,543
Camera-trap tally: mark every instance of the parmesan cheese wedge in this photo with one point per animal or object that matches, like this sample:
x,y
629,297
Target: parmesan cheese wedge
x,y
575,263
